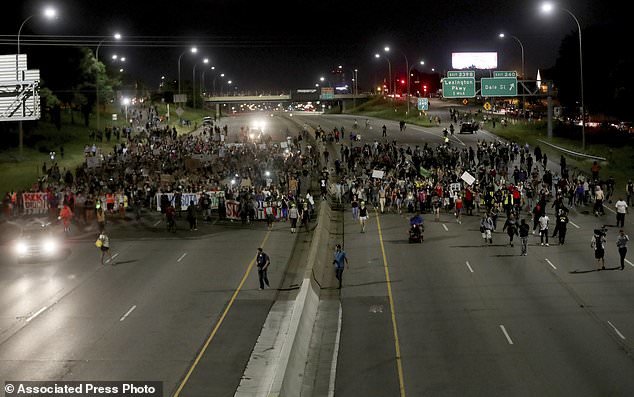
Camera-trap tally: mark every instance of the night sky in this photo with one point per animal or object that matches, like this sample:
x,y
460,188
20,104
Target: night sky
x,y
280,46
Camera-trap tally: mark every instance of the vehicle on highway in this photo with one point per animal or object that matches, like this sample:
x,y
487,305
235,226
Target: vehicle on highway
x,y
416,229
207,120
469,127
38,242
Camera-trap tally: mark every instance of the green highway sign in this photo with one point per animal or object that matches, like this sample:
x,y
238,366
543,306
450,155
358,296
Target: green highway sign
x,y
459,84
498,86
423,104
500,73
458,87
461,73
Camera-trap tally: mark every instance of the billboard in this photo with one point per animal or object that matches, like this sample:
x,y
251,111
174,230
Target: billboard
x,y
474,60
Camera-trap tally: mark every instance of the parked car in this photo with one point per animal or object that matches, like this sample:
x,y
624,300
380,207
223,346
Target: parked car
x,y
469,127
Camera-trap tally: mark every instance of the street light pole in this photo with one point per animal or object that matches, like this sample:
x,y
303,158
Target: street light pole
x,y
48,13
547,7
206,60
202,79
116,36
193,50
502,35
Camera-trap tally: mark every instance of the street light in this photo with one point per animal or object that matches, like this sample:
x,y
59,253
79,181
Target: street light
x,y
206,60
193,50
49,13
214,84
126,101
548,8
202,78
502,35
389,64
116,36
387,49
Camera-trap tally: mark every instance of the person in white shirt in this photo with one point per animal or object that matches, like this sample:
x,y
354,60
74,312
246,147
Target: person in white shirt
x,y
543,229
621,210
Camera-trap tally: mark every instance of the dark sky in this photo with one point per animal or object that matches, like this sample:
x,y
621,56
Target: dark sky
x,y
282,45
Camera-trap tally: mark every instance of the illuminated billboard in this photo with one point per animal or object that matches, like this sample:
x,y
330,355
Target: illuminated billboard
x,y
474,60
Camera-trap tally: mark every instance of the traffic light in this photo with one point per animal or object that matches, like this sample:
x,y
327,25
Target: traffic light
x,y
425,88
402,81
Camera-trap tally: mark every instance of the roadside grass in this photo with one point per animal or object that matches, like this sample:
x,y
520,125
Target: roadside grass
x,y
18,172
383,108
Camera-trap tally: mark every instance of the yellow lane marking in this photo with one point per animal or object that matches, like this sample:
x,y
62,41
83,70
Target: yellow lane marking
x,y
397,345
220,321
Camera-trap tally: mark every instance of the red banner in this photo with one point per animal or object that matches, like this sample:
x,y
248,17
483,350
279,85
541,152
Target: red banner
x,y
35,203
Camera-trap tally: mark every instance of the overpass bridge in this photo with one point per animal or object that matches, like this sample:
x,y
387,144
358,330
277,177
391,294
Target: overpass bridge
x,y
290,97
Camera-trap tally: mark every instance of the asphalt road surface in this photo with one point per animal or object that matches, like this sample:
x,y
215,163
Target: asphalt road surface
x,y
456,318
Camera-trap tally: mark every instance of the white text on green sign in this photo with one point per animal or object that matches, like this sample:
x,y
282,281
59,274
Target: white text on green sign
x,y
501,73
498,86
461,73
458,87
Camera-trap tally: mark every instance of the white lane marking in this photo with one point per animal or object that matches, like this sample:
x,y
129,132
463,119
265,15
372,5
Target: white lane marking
x,y
469,266
631,264
458,139
574,224
335,355
508,338
157,222
617,331
609,209
445,226
37,313
181,257
127,313
551,264
113,256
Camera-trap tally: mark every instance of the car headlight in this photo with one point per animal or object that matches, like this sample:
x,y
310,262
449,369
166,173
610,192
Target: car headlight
x,y
21,248
49,246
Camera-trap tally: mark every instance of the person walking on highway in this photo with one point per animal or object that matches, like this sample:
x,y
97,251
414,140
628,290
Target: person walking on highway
x,y
524,230
511,228
486,228
621,210
339,261
262,261
363,216
293,215
103,243
384,131
543,229
621,243
598,243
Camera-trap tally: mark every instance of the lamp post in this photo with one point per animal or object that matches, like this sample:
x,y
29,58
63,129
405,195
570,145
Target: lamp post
x,y
49,13
202,78
193,50
206,60
387,49
116,36
213,87
389,65
502,35
126,102
547,8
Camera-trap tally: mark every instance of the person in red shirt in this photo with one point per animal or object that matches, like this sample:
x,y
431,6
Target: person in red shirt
x,y
458,208
65,214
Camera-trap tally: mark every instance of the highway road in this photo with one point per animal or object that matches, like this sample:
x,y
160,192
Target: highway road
x,y
445,317
460,318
